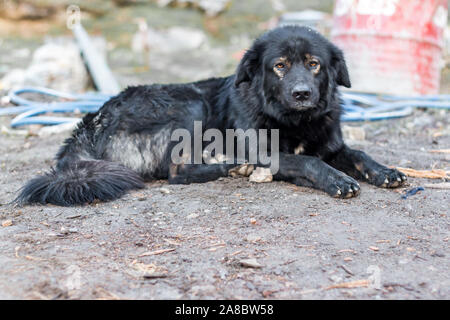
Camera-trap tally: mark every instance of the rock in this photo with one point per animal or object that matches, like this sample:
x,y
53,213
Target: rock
x,y
164,190
250,263
54,65
253,238
261,175
174,39
192,216
211,7
7,223
243,170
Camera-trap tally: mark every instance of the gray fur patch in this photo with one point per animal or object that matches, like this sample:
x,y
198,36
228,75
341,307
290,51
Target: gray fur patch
x,y
142,153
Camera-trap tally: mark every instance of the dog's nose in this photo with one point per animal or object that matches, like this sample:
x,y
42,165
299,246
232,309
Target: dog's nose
x,y
301,93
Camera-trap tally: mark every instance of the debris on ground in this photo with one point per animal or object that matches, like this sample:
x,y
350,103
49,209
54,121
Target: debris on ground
x,y
261,175
243,170
149,271
211,7
412,192
429,174
443,185
54,65
175,39
350,285
250,263
440,151
164,190
7,223
157,252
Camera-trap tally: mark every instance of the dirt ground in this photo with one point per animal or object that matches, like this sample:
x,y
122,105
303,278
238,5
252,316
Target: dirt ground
x,y
195,241
304,241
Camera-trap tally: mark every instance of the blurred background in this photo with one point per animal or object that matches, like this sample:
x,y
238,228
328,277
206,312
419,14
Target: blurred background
x,y
145,41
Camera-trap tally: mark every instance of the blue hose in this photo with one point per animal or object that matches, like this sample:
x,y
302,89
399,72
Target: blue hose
x,y
28,110
357,106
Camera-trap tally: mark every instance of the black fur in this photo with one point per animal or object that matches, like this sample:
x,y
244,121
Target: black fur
x,y
288,81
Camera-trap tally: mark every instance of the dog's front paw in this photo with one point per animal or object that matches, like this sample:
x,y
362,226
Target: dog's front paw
x,y
343,187
386,178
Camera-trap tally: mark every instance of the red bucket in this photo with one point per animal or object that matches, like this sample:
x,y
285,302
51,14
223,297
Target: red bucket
x,y
392,46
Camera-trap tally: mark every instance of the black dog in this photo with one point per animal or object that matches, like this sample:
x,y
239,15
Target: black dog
x,y
288,81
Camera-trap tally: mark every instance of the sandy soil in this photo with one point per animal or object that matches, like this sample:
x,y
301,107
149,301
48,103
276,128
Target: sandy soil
x,y
304,241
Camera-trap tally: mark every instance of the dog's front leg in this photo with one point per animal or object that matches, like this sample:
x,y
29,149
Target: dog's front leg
x,y
312,172
360,166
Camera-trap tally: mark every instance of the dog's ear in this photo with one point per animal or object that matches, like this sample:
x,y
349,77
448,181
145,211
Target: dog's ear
x,y
339,65
247,67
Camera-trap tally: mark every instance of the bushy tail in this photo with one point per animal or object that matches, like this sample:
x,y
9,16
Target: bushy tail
x,y
79,183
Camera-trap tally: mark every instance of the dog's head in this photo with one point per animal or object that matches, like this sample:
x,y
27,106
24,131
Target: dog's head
x,y
295,67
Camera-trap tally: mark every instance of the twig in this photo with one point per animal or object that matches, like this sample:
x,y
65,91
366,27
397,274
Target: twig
x,y
154,253
430,174
346,270
440,151
350,285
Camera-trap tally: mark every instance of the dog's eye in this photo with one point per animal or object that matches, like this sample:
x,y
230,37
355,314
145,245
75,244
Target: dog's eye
x,y
313,64
280,65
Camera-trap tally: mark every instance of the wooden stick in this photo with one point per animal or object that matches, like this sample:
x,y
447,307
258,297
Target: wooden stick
x,y
154,253
350,285
440,151
430,174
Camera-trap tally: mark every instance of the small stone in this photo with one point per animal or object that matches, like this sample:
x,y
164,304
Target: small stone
x,y
261,175
250,263
242,170
336,278
7,223
192,216
164,190
253,238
